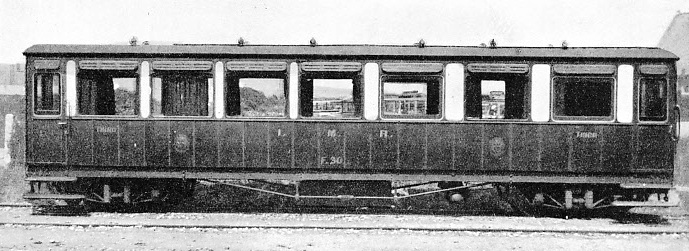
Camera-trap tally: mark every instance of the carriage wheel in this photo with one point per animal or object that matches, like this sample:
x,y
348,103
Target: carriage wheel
x,y
518,199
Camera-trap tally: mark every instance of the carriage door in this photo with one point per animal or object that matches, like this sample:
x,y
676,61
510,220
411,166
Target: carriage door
x,y
656,119
47,126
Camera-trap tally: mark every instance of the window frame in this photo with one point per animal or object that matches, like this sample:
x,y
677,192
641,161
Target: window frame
x,y
34,110
667,98
412,78
137,94
209,74
239,75
499,76
613,99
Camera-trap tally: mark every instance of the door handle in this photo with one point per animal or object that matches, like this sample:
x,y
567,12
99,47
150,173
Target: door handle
x,y
678,123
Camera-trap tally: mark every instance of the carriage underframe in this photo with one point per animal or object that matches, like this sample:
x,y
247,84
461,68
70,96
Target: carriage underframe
x,y
530,195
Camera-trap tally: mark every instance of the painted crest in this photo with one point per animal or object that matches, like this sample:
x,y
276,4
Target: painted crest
x,y
181,144
496,146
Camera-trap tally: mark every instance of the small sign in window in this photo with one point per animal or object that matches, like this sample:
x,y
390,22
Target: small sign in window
x,y
493,99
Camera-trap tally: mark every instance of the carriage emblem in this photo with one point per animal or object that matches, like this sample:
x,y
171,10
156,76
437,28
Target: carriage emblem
x,y
496,146
181,144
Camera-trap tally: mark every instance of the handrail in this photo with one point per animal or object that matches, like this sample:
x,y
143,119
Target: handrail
x,y
678,123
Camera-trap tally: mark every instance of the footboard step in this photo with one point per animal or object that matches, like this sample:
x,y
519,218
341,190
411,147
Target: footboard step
x,y
52,179
36,196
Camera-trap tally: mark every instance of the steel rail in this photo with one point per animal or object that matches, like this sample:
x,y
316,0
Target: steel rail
x,y
362,228
15,205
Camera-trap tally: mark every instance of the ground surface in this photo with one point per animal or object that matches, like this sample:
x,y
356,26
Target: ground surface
x,y
133,238
275,231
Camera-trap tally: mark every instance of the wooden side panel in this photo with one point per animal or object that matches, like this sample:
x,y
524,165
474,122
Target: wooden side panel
x,y
106,143
384,150
206,142
618,149
331,152
158,143
585,155
555,146
654,148
306,146
281,144
231,136
526,147
132,143
357,146
468,147
45,139
80,143
256,143
412,146
441,143
181,147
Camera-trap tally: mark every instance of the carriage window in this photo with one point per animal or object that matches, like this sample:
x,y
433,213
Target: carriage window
x,y
107,92
330,98
583,97
182,93
652,99
255,97
411,96
47,94
496,96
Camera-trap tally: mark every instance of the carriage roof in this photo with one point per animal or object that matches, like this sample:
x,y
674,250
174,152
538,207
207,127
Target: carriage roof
x,y
204,50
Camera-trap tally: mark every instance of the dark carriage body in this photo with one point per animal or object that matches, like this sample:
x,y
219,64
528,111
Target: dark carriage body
x,y
450,144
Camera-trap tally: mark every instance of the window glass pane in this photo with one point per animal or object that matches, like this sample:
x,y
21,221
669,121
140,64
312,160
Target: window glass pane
x,y
405,98
332,98
156,96
411,98
496,96
262,97
181,94
583,97
107,93
47,95
653,99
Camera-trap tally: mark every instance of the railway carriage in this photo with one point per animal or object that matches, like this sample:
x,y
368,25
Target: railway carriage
x,y
569,128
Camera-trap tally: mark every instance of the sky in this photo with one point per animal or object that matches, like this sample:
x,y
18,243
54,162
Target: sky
x,y
452,22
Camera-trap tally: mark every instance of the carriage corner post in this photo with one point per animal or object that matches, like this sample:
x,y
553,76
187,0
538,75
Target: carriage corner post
x,y
571,128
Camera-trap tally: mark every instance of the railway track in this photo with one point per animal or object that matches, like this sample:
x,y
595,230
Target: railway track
x,y
646,225
297,227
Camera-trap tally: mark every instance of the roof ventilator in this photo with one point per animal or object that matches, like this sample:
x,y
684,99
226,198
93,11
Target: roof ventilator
x,y
421,43
133,41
